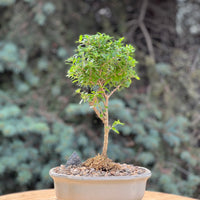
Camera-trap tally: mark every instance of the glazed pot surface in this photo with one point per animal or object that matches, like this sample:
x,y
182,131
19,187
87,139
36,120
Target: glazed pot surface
x,y
100,188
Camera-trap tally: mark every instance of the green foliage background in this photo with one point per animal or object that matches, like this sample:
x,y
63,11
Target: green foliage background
x,y
41,121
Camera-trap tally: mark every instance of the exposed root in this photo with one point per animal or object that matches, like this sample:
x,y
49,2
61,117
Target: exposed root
x,y
100,162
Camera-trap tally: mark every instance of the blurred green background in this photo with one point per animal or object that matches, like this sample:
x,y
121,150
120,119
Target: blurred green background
x,y
41,121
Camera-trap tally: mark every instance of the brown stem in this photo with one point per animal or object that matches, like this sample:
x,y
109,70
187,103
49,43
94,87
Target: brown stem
x,y
114,91
95,109
106,128
101,88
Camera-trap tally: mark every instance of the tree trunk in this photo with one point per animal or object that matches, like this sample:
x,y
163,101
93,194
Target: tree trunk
x,y
106,129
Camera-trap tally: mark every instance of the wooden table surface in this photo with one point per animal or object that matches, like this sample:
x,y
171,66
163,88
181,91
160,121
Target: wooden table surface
x,y
49,194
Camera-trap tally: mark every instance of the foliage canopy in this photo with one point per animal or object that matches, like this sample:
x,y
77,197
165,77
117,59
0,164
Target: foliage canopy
x,y
101,60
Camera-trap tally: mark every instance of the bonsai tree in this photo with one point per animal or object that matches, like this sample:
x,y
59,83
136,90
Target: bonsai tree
x,y
100,67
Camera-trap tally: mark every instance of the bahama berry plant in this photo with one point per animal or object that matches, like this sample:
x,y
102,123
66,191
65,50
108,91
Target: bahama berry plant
x,y
102,65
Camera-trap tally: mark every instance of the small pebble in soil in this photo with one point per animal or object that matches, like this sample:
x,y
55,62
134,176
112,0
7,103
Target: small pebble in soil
x,y
74,159
74,170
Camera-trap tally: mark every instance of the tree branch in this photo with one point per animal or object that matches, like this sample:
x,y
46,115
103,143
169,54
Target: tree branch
x,y
101,111
144,29
143,11
140,23
148,39
114,91
96,110
101,89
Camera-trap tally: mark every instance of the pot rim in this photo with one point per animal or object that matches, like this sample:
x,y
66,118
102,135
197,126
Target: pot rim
x,y
144,175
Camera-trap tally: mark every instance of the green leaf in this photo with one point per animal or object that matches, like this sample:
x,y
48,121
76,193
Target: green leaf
x,y
117,123
80,38
137,77
78,91
115,130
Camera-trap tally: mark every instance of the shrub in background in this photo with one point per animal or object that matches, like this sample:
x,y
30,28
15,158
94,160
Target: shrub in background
x,y
29,147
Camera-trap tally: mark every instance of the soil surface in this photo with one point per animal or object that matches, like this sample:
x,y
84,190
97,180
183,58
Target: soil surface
x,y
99,166
125,170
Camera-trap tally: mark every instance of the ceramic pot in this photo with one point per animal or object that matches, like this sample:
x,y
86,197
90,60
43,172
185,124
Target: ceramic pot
x,y
69,187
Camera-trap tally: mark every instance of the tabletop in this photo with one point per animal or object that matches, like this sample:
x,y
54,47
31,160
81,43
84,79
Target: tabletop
x,y
49,194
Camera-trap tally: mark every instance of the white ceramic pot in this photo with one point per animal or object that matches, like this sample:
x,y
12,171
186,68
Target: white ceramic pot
x,y
100,188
